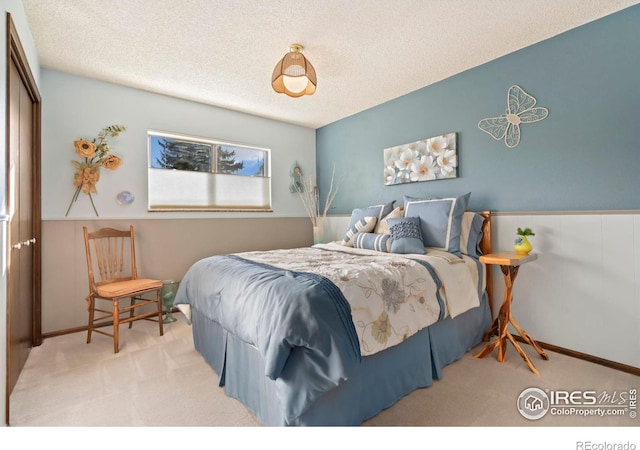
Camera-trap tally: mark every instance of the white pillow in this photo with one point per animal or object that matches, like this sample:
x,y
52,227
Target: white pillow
x,y
382,227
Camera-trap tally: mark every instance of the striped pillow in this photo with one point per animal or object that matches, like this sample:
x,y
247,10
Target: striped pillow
x,y
373,241
364,224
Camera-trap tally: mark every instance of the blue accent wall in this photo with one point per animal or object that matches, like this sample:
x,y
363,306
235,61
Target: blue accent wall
x,y
584,156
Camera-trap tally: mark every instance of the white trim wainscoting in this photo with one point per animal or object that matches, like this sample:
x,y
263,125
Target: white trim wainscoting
x,y
582,295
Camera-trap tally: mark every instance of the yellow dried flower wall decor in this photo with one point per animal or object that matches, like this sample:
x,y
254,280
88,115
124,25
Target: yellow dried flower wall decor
x,y
95,154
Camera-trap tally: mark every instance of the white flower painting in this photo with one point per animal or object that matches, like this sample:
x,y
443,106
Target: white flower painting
x,y
430,159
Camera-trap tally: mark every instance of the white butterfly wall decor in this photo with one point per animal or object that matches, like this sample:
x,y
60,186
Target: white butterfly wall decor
x,y
520,109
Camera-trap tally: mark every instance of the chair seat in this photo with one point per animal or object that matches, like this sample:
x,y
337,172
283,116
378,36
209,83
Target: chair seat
x,y
124,288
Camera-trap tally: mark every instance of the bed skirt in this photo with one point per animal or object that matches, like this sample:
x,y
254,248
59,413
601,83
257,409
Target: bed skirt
x,y
380,381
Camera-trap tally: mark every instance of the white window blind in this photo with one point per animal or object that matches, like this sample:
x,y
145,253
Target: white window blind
x,y
198,174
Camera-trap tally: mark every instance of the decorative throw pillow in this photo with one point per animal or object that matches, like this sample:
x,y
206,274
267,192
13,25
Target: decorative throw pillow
x,y
471,234
440,220
362,221
385,209
406,236
373,241
382,227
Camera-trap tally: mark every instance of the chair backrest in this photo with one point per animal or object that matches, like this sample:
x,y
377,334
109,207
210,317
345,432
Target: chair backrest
x,y
110,255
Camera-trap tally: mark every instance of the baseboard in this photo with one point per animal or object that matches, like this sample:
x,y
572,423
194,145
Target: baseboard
x,y
84,328
579,355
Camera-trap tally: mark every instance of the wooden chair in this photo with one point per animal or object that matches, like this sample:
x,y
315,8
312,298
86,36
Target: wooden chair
x,y
112,252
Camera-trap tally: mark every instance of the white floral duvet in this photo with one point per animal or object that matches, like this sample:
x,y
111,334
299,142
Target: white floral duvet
x,y
392,296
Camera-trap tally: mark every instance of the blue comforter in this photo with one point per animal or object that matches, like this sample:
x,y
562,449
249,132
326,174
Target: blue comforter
x,y
299,322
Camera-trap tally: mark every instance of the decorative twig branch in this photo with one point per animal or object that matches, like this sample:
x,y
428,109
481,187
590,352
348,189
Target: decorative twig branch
x,y
310,196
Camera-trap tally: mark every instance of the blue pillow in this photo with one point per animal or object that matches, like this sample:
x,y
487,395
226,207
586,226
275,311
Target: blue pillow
x,y
385,209
373,241
440,220
362,221
406,236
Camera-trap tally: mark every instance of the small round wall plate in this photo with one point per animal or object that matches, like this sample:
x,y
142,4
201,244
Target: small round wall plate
x,y
125,198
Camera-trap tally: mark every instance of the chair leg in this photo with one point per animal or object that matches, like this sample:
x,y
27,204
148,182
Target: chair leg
x,y
160,317
133,302
91,304
116,325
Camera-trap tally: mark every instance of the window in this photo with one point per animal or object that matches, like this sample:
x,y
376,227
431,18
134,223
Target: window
x,y
189,173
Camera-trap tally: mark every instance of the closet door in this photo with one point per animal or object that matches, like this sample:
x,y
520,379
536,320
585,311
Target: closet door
x,y
23,210
20,260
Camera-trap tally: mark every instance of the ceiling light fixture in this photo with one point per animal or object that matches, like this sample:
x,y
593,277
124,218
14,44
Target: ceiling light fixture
x,y
294,75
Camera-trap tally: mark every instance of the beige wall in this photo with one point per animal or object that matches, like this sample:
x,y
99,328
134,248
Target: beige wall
x,y
165,249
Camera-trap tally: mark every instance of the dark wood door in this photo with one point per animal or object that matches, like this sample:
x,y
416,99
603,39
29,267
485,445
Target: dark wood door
x,y
19,268
23,211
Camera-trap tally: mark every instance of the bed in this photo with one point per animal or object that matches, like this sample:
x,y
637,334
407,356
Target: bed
x,y
334,333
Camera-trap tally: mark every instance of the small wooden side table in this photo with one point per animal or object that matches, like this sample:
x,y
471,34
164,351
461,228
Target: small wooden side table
x,y
509,263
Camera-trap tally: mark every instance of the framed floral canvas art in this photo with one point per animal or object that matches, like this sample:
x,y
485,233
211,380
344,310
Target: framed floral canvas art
x,y
429,159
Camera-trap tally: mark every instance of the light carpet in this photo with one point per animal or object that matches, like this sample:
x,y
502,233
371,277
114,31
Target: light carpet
x,y
163,382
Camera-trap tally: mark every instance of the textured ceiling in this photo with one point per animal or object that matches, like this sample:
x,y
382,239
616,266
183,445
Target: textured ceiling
x,y
222,52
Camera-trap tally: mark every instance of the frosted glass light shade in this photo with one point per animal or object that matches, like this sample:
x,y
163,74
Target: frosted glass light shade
x,y
295,84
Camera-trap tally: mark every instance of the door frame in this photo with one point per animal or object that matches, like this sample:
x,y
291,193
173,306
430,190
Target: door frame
x,y
16,55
